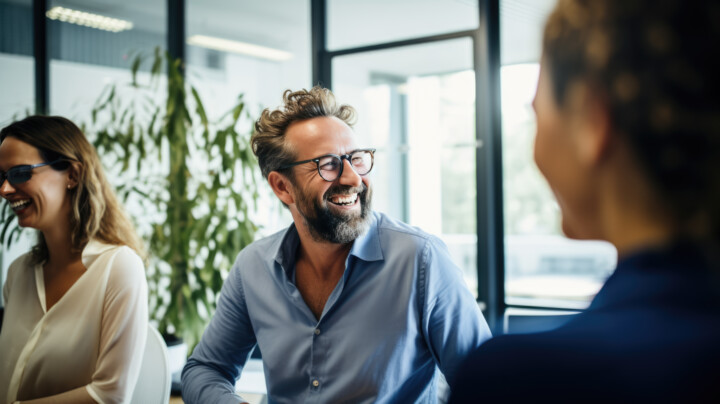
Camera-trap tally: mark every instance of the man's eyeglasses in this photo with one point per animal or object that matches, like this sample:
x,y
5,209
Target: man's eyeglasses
x,y
20,174
330,166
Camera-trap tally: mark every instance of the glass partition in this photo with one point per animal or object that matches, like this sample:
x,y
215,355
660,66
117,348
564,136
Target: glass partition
x,y
92,44
352,23
416,105
542,267
17,81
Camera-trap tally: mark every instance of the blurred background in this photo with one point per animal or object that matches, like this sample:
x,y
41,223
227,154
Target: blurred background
x,y
443,89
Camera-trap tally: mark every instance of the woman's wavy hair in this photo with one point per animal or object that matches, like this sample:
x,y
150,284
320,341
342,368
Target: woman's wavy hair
x,y
654,65
96,211
268,140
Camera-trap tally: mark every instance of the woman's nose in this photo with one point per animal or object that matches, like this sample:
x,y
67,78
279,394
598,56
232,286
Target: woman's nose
x,y
6,188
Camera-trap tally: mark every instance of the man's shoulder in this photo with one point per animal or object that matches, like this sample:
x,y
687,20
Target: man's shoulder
x,y
266,246
395,228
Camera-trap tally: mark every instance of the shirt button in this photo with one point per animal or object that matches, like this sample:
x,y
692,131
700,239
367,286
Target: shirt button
x,y
315,383
317,331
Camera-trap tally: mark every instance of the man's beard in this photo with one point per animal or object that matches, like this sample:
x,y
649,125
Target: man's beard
x,y
327,226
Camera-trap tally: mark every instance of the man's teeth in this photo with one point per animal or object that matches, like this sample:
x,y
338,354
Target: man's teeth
x,y
344,200
19,204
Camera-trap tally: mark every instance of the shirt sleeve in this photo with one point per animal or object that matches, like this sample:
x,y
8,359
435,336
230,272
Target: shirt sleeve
x,y
209,375
452,321
123,330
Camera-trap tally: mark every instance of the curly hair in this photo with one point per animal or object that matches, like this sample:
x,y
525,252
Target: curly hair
x,y
96,211
653,64
268,141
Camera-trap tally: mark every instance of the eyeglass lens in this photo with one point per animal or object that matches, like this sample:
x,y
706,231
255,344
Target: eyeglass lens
x,y
330,166
17,175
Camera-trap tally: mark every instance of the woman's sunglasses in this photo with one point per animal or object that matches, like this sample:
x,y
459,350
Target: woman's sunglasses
x,y
20,174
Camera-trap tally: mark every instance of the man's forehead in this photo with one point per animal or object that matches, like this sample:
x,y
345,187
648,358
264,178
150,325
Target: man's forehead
x,y
323,135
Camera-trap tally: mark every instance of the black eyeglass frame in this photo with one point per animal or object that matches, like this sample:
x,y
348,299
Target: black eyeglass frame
x,y
347,157
24,167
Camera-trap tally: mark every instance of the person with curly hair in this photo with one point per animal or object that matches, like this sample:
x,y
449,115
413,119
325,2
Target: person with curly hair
x,y
347,304
628,138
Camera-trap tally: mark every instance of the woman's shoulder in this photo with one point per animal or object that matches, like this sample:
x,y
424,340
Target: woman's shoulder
x,y
21,264
121,263
21,270
127,261
125,272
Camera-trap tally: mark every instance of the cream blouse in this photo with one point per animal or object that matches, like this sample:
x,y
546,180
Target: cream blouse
x,y
94,336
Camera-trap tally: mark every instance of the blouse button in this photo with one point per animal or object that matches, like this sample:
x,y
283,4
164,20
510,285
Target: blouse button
x,y
317,331
315,383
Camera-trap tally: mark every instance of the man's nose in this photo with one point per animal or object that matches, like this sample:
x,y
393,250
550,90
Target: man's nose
x,y
349,176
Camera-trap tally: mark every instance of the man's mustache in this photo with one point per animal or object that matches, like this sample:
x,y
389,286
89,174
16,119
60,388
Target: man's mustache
x,y
345,190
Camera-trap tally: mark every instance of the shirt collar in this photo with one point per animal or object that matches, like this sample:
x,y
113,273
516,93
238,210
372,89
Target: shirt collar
x,y
366,247
286,248
92,250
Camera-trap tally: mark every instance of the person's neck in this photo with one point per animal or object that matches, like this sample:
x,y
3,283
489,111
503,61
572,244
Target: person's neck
x,y
632,216
634,235
60,248
325,259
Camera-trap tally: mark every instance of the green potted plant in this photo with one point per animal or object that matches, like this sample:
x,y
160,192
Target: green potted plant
x,y
194,179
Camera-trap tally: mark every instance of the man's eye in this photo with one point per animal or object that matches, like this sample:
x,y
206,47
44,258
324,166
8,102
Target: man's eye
x,y
329,165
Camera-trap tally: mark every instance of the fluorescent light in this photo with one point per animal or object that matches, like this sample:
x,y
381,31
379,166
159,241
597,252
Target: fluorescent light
x,y
243,48
88,19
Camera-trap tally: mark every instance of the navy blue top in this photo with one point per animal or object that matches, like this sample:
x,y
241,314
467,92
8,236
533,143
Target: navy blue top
x,y
651,334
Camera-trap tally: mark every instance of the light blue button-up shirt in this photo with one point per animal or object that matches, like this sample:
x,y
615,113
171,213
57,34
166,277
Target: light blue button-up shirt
x,y
400,311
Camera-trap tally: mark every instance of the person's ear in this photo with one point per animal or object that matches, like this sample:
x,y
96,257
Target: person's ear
x,y
593,129
74,172
282,187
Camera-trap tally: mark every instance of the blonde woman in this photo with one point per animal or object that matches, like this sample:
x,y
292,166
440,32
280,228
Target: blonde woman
x,y
75,306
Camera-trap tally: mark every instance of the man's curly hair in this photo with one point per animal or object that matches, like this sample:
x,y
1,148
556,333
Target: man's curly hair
x,y
268,141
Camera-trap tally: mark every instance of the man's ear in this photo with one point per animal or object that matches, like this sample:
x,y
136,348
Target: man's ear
x,y
282,187
593,129
74,173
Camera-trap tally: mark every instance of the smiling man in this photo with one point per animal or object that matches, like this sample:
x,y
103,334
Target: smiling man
x,y
346,305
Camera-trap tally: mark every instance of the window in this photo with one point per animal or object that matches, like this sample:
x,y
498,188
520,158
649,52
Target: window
x,y
86,56
17,81
542,267
258,49
354,23
17,87
416,105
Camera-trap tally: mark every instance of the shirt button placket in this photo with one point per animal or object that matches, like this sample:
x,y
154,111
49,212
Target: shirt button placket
x,y
314,380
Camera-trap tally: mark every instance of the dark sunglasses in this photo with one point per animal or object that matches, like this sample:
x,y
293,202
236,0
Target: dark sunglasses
x,y
20,174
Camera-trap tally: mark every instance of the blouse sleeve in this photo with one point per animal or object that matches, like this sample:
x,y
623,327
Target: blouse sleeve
x,y
20,262
5,289
124,330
